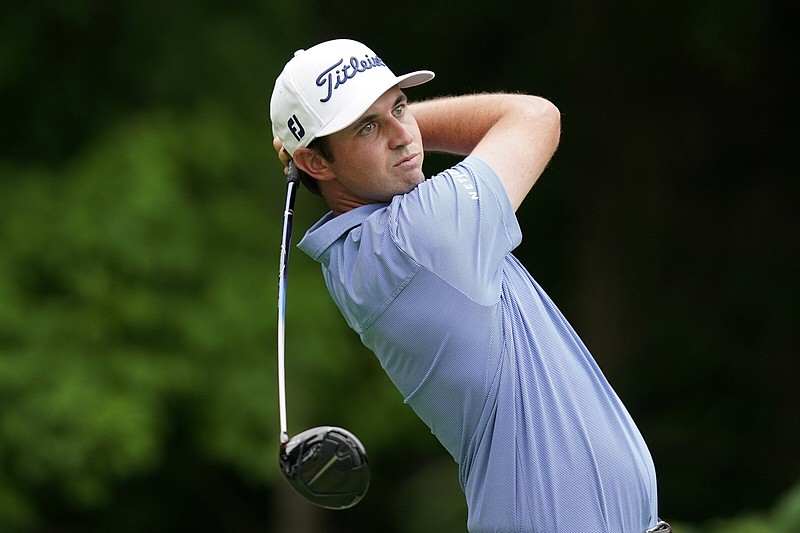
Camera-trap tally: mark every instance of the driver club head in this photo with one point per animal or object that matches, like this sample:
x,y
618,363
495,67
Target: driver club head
x,y
327,465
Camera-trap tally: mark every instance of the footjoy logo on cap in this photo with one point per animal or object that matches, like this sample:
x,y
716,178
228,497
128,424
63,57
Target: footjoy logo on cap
x,y
296,128
347,72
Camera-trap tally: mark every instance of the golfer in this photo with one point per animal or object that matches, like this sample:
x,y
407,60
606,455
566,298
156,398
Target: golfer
x,y
423,270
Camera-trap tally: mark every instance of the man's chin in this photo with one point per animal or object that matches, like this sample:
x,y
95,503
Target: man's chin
x,y
416,176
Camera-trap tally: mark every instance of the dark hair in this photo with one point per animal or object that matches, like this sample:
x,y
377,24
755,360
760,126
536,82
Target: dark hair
x,y
320,145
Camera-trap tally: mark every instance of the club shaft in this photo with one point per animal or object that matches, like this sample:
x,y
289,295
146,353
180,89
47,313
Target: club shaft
x,y
292,182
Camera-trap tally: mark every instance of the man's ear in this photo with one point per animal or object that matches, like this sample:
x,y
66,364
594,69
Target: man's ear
x,y
312,163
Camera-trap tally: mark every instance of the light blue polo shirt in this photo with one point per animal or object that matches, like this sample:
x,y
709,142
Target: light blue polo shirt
x,y
485,358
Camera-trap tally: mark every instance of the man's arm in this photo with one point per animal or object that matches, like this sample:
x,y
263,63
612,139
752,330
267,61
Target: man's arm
x,y
515,134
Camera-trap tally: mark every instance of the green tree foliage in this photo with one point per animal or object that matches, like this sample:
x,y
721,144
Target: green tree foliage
x,y
783,517
124,290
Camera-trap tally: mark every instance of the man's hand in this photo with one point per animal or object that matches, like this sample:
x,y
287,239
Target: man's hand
x,y
283,155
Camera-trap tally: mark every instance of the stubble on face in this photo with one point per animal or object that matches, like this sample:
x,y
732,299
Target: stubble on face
x,y
380,155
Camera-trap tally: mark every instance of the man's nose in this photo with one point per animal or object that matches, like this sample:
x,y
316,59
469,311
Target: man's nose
x,y
400,135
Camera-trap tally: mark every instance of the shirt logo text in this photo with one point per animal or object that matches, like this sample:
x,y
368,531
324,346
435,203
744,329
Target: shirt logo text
x,y
465,182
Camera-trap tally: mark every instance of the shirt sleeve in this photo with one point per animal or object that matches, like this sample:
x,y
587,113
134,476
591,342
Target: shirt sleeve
x,y
459,225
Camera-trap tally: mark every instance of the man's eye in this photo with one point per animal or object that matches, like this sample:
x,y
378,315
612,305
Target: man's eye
x,y
368,128
399,110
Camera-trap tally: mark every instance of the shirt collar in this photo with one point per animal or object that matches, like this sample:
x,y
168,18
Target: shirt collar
x,y
329,228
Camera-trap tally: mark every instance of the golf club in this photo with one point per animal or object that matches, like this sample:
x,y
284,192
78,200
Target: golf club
x,y
327,465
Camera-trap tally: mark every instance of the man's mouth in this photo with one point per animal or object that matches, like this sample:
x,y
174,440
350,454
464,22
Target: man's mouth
x,y
408,161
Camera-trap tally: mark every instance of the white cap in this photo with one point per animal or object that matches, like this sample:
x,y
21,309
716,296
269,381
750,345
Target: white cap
x,y
324,89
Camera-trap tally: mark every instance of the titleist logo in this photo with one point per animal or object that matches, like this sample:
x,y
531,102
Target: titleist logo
x,y
331,80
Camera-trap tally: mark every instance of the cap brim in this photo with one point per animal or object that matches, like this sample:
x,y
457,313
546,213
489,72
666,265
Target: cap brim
x,y
351,113
414,78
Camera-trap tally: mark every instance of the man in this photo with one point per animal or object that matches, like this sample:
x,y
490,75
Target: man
x,y
422,270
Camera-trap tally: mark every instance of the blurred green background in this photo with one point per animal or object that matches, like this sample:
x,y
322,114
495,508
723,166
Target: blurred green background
x,y
140,212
